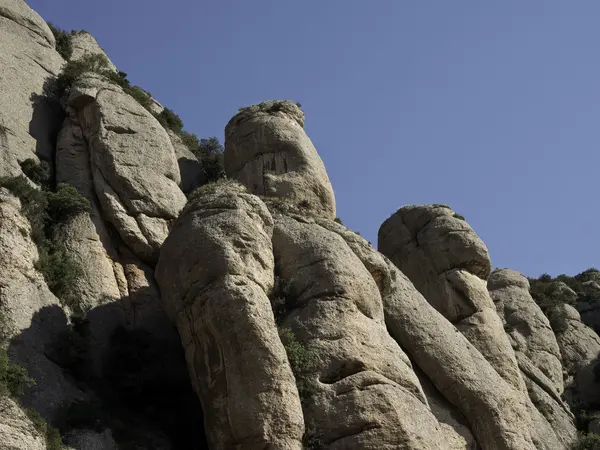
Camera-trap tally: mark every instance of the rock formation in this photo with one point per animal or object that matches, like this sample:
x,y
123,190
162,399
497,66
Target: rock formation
x,y
139,300
449,264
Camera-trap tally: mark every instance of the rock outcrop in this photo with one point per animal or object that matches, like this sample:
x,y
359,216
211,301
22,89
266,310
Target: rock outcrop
x,y
138,187
245,305
224,318
580,349
536,349
449,265
27,58
268,151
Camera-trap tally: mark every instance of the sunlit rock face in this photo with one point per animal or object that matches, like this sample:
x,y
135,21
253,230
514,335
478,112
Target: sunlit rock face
x,y
268,151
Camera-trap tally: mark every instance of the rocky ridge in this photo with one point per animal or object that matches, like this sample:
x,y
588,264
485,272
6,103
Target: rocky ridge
x,y
140,298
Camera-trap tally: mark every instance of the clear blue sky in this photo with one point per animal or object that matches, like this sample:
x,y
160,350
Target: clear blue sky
x,y
491,107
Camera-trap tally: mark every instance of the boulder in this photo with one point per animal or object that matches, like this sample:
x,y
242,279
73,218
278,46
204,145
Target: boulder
x,y
496,412
267,150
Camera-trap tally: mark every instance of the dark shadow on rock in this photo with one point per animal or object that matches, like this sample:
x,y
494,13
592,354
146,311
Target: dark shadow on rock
x,y
45,123
192,174
141,393
583,393
54,388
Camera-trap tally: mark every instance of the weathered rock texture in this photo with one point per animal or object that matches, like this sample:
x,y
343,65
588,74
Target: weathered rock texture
x,y
268,151
536,349
449,265
227,328
120,158
16,430
296,332
133,164
35,314
27,58
580,349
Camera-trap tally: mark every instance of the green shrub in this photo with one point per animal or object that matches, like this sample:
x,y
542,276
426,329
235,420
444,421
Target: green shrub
x,y
13,378
96,63
338,220
282,298
458,216
34,204
51,434
210,154
301,359
168,119
64,46
299,105
141,96
66,203
587,442
190,140
39,173
215,186
46,212
61,273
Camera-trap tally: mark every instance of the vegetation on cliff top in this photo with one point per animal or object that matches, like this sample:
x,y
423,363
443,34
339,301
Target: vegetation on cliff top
x,y
208,151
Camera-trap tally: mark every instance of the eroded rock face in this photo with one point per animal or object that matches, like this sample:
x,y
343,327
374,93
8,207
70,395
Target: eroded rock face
x,y
17,431
268,151
537,353
84,44
448,263
364,391
34,313
217,296
527,327
580,349
28,122
133,164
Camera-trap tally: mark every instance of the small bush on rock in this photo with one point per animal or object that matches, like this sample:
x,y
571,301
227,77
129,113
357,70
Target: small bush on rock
x,y
61,272
168,119
13,378
34,204
66,203
64,46
51,434
458,216
47,211
39,173
96,63
301,359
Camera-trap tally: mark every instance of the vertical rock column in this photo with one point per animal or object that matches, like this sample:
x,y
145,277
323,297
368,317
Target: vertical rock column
x,y
214,271
448,263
